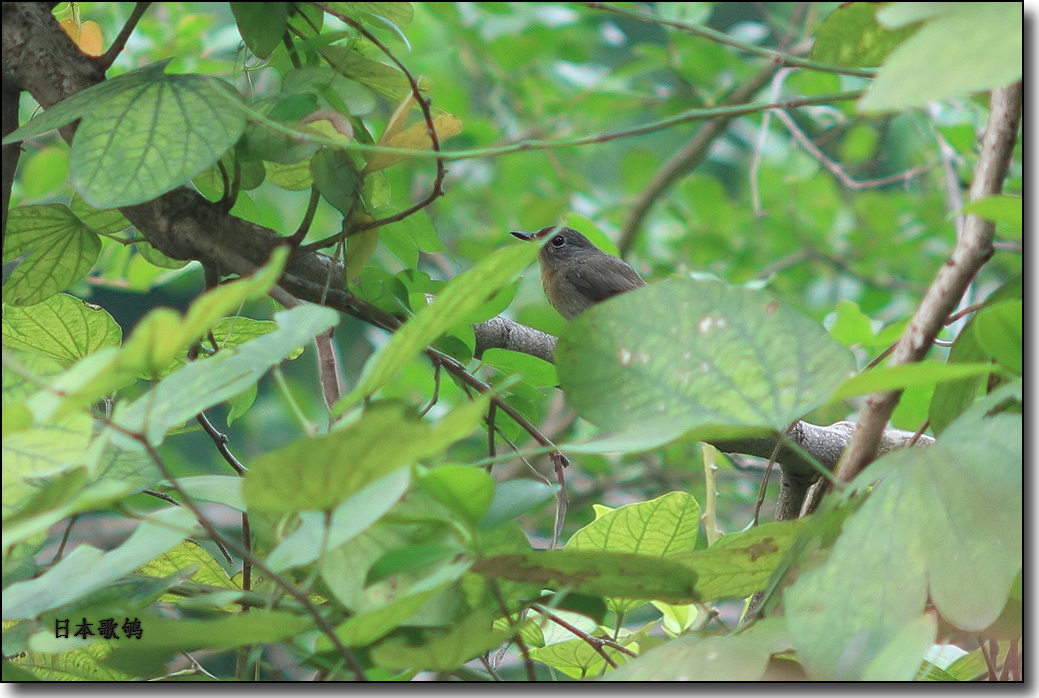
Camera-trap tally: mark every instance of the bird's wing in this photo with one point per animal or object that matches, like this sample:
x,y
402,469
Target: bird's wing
x,y
597,287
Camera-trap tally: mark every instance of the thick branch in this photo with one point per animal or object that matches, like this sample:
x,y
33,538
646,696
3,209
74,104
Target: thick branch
x,y
973,249
502,333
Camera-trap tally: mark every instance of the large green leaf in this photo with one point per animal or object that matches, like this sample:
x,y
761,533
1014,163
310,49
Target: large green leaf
x,y
261,24
202,384
944,519
463,295
319,473
966,47
740,564
741,656
86,101
684,355
999,331
663,526
143,142
59,250
62,327
621,575
317,534
472,636
87,569
156,341
852,37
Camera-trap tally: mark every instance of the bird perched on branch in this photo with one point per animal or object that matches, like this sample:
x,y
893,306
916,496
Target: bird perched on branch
x,y
576,274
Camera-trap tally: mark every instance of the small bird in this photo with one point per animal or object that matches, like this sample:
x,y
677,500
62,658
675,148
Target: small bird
x,y
576,274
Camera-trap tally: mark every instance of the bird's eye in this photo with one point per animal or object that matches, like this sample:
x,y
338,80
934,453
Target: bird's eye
x,y
558,241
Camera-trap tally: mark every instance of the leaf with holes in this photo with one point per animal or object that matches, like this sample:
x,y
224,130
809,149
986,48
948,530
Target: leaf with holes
x,y
685,356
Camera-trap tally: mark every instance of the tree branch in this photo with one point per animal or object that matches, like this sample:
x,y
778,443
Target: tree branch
x,y
688,157
973,249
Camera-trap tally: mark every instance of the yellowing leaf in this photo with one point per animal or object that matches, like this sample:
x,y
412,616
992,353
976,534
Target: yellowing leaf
x,y
86,36
414,137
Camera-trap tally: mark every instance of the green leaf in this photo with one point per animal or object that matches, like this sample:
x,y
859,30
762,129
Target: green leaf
x,y
87,569
188,555
258,627
153,136
851,36
386,80
472,636
851,326
968,47
945,519
578,659
202,384
999,332
48,448
59,250
680,356
81,664
103,221
535,371
336,178
348,520
65,494
901,657
159,337
740,564
400,13
221,489
925,374
62,327
465,490
261,25
462,295
409,558
515,497
620,575
86,101
365,628
741,656
998,208
318,473
663,526
343,94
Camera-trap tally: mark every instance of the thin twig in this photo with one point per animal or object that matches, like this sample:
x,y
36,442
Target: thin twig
x,y
710,512
718,37
596,643
220,439
528,663
308,217
437,189
105,61
64,539
161,495
273,576
687,158
436,390
835,168
973,249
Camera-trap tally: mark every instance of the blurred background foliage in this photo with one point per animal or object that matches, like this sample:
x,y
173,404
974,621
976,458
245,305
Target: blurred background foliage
x,y
852,249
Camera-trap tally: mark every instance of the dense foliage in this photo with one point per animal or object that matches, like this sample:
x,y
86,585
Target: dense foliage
x,y
280,399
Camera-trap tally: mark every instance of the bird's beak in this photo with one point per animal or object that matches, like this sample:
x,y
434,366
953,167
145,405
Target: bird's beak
x,y
523,236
